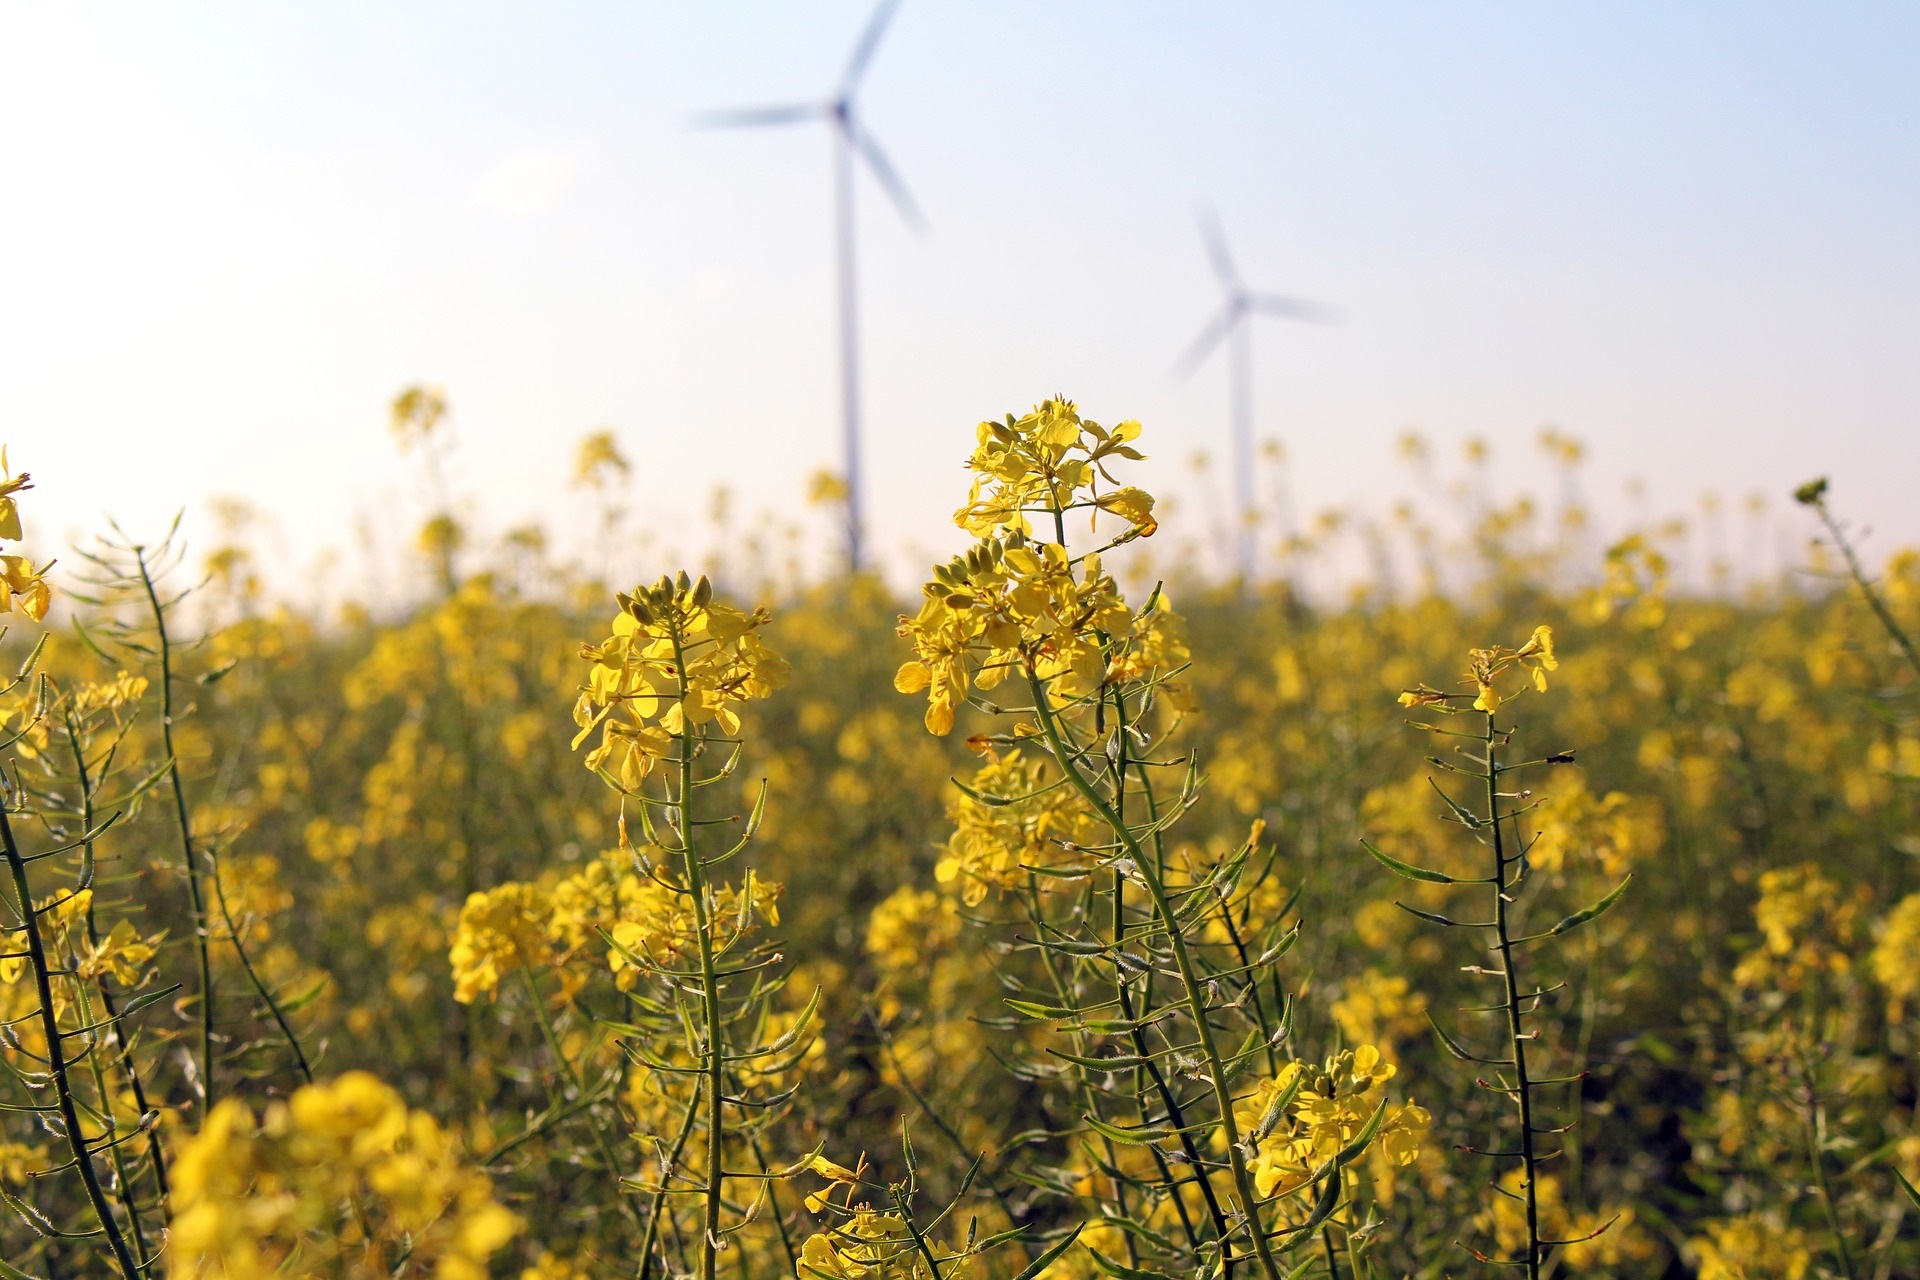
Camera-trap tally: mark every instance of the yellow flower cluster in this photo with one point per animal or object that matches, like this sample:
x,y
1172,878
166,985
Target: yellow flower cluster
x,y
22,586
1484,668
1014,605
342,1178
1806,925
635,918
1295,1139
1049,461
1044,824
676,661
868,1244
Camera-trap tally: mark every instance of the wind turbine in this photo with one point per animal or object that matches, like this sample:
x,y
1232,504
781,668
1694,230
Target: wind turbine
x,y
1233,324
851,143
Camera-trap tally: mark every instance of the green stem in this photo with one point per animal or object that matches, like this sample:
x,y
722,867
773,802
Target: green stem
x,y
1814,1127
156,1153
1190,983
1523,1089
660,1193
709,983
185,822
56,1054
253,979
1874,602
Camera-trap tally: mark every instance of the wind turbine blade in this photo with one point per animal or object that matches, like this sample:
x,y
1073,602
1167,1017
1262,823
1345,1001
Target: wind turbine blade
x,y
869,41
1217,251
756,117
1210,337
1274,304
888,177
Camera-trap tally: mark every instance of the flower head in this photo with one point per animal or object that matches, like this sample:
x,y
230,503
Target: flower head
x,y
676,662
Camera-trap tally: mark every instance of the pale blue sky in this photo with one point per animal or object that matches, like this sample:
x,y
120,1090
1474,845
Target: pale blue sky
x,y
228,233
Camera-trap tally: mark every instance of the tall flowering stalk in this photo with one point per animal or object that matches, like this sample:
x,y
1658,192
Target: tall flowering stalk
x,y
65,1041
1037,636
1491,813
663,691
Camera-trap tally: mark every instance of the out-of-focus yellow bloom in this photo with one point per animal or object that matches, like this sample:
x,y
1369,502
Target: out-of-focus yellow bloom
x,y
1807,927
598,462
19,1162
908,927
1895,958
1751,1247
551,1266
1377,1008
340,1179
500,930
1604,1240
1046,825
1574,828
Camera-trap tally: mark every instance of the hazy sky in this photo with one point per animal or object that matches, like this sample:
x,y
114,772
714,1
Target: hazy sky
x,y
229,233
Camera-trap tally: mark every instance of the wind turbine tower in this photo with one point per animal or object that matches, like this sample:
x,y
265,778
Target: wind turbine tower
x,y
853,144
1233,324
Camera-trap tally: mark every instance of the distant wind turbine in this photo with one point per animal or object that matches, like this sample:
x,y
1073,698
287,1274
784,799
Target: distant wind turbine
x,y
1233,323
850,139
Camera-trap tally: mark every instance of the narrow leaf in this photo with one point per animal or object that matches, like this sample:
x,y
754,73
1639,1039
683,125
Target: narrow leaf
x,y
1053,1251
1579,918
1407,869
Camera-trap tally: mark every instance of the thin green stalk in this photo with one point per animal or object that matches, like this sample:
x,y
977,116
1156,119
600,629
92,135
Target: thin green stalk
x,y
672,1161
1859,575
1090,1094
1523,1088
709,985
1195,993
1814,1127
123,1184
202,926
1158,1077
156,1152
56,1054
185,822
253,979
